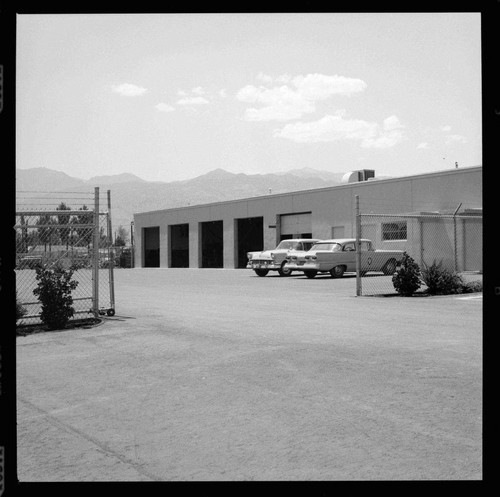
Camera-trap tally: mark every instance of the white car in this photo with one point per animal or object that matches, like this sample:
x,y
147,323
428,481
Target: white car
x,y
275,260
337,256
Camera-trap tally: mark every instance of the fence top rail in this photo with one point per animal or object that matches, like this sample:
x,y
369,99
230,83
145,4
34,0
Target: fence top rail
x,y
426,215
53,226
59,213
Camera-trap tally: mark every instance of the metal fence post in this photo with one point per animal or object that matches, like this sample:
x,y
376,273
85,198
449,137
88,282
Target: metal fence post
x,y
95,256
111,260
358,248
132,247
421,240
455,235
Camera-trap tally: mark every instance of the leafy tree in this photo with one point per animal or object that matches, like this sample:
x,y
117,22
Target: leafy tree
x,y
63,220
21,243
121,237
22,238
84,235
103,238
45,230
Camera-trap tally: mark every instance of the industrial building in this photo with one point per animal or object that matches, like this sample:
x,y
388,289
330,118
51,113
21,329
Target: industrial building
x,y
219,235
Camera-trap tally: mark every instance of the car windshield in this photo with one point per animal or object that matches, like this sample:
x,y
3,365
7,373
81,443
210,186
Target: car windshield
x,y
288,245
330,247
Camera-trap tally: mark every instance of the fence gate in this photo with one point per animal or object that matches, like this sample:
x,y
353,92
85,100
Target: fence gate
x,y
68,229
455,241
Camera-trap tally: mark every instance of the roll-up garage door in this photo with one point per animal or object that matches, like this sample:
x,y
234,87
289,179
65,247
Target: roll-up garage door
x,y
296,225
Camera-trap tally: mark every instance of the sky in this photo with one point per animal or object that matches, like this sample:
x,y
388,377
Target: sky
x,y
170,97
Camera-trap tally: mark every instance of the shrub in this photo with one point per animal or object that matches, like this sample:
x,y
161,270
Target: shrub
x,y
472,286
54,292
440,280
406,279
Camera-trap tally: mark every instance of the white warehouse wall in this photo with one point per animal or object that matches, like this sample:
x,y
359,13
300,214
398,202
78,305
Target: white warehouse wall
x,y
333,206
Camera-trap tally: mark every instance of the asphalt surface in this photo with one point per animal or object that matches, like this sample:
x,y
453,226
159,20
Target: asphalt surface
x,y
208,374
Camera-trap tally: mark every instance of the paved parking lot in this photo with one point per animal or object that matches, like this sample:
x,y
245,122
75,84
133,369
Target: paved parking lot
x,y
208,374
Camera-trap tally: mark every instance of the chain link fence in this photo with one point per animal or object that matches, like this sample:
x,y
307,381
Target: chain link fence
x,y
71,230
453,240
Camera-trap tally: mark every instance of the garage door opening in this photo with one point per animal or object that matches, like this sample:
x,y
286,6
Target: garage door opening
x,y
296,226
179,245
249,238
151,237
212,245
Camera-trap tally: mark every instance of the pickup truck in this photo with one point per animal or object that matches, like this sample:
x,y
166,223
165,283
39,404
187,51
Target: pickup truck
x,y
274,260
338,256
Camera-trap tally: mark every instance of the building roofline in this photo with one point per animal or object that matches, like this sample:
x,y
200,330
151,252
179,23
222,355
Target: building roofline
x,y
314,190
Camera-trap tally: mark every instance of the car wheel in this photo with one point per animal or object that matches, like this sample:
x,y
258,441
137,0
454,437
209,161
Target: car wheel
x,y
284,271
261,272
389,267
337,271
310,274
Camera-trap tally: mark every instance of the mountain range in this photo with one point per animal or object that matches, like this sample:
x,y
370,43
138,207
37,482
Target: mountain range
x,y
131,194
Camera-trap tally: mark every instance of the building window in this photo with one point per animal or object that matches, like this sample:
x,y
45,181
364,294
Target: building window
x,y
394,231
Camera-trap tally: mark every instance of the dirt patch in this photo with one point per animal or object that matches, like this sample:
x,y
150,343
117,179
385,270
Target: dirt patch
x,y
31,329
423,293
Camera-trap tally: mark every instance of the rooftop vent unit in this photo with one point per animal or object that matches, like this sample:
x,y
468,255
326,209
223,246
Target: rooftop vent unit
x,y
361,175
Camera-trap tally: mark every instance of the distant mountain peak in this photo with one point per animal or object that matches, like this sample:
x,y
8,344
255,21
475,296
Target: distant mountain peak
x,y
310,172
131,194
44,179
217,172
114,178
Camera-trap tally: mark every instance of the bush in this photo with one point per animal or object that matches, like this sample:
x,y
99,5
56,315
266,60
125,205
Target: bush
x,y
54,292
472,286
406,279
440,280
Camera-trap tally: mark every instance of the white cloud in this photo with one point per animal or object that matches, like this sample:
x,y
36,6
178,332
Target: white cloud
x,y
320,87
328,128
162,107
129,90
280,103
392,123
455,139
265,78
390,134
336,127
445,128
423,145
198,90
289,102
223,93
193,101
